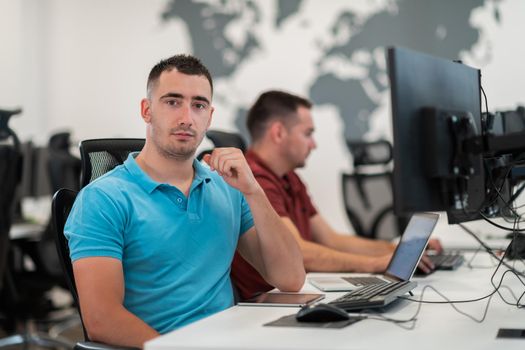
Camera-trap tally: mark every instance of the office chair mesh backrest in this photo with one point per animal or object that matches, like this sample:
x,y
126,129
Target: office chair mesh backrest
x,y
368,204
367,192
99,156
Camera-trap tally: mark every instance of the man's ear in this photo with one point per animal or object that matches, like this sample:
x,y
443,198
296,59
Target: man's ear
x,y
277,131
145,109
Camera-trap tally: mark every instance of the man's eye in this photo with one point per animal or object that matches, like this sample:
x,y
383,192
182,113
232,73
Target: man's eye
x,y
200,106
172,102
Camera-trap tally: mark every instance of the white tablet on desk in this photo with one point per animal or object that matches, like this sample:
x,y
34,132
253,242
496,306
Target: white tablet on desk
x,y
283,299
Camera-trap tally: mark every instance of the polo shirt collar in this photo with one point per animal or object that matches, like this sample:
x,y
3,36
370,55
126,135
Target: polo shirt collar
x,y
202,173
286,180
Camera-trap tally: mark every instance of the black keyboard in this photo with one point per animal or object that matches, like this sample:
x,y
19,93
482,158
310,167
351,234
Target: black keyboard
x,y
446,261
374,295
364,280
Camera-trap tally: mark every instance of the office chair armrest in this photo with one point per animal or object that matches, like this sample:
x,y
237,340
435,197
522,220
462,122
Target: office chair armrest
x,y
99,346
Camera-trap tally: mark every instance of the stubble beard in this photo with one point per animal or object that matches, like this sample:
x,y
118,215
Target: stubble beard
x,y
177,153
183,152
298,163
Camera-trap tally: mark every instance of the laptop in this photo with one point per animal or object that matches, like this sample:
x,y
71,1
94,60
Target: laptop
x,y
400,268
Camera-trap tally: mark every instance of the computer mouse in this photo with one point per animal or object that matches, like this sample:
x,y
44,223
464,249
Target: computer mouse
x,y
322,313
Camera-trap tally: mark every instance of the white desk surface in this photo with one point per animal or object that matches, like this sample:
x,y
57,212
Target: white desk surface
x,y
438,326
26,231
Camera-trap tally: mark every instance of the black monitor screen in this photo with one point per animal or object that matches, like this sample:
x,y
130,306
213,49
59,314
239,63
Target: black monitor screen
x,y
514,121
424,149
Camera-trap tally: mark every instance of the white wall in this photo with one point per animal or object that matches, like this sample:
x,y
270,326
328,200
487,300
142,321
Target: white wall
x,y
82,65
503,71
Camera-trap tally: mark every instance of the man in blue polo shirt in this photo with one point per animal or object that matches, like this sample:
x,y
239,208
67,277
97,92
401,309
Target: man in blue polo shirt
x,y
152,241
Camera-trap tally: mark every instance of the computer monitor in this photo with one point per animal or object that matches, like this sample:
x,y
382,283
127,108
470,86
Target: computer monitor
x,y
513,121
35,181
436,110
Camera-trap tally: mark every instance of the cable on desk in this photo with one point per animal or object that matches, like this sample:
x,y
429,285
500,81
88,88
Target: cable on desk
x,y
421,301
470,264
489,250
514,272
501,261
413,318
452,303
398,322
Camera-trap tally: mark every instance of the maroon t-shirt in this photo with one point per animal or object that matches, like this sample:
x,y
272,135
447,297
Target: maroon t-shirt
x,y
289,198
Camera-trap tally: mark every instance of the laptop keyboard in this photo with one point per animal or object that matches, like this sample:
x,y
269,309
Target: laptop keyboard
x,y
364,280
374,295
446,261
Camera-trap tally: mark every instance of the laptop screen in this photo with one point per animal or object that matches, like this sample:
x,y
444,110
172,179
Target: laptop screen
x,y
412,245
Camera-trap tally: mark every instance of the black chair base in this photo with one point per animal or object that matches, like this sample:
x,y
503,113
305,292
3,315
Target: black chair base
x,y
98,346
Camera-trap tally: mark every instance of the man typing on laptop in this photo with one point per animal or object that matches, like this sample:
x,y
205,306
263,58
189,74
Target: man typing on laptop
x,y
402,265
281,129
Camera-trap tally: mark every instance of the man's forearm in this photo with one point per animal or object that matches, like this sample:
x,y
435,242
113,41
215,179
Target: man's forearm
x,y
279,251
119,327
318,258
361,246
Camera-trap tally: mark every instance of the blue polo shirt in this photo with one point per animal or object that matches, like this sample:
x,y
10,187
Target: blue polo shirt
x,y
175,251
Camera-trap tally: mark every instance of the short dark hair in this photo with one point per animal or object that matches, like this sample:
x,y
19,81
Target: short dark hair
x,y
272,105
186,64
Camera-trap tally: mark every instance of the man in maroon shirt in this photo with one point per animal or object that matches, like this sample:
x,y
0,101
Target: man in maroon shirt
x,y
282,129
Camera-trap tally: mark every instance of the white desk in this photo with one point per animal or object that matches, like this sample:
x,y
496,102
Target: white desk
x,y
37,210
438,326
26,231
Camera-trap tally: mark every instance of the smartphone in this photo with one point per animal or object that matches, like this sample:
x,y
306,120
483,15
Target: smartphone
x,y
511,333
283,299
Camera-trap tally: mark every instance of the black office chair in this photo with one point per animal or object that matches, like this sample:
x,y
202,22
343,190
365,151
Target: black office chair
x,y
367,192
50,168
98,156
223,139
63,169
10,173
226,139
17,301
63,166
61,206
